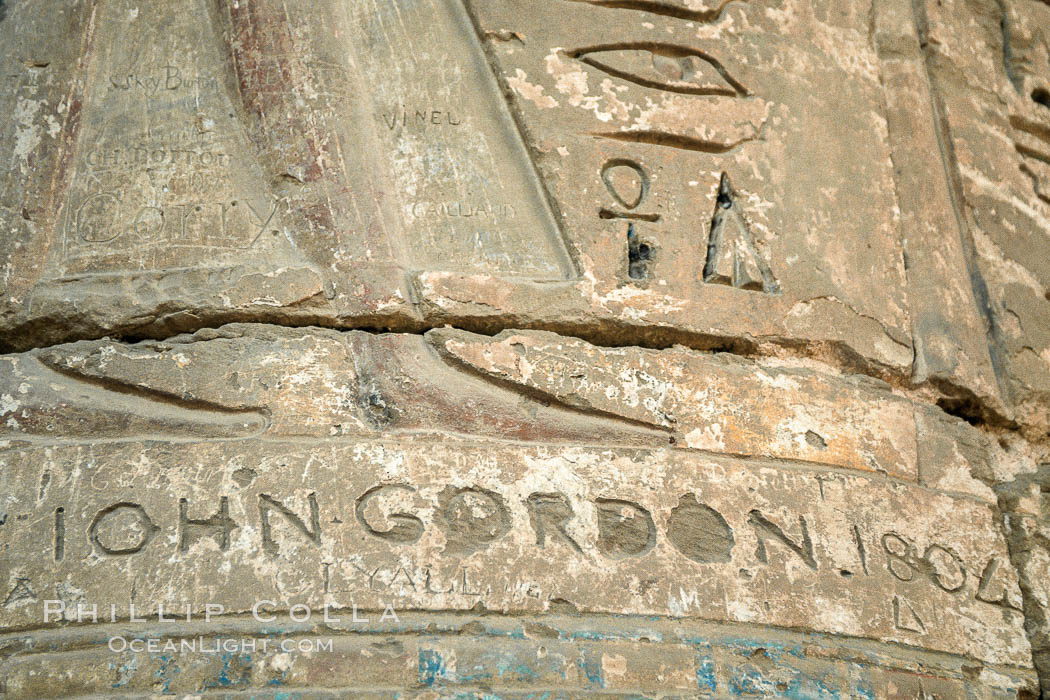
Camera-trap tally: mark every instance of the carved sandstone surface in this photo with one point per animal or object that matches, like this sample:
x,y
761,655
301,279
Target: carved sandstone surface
x,y
620,346
305,466
995,112
662,172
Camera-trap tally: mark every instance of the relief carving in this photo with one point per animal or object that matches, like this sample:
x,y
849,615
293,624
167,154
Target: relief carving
x,y
674,347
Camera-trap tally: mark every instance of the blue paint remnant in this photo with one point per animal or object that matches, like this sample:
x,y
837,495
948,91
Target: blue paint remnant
x,y
272,632
224,680
431,667
751,682
165,672
278,681
810,689
773,649
512,633
489,666
705,674
592,669
864,691
694,641
706,680
480,675
594,636
508,664
126,671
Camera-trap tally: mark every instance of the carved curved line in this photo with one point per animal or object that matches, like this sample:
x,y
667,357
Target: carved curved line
x,y
1035,129
436,342
659,8
196,409
1037,184
661,138
673,50
643,177
1032,153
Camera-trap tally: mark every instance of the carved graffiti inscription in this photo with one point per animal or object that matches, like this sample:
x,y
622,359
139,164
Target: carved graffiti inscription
x,y
472,519
512,528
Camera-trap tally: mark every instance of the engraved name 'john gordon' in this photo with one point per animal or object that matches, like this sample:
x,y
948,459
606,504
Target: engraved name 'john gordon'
x,y
472,519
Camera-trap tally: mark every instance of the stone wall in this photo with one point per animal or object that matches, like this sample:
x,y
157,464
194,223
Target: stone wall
x,y
490,348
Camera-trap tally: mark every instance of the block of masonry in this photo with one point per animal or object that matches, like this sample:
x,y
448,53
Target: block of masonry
x,y
488,348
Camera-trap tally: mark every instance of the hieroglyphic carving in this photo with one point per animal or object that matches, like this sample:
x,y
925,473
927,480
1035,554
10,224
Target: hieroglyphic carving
x,y
732,257
629,184
1026,53
674,70
679,9
663,67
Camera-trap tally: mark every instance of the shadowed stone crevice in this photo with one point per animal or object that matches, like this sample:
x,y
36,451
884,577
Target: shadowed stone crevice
x,y
1041,96
952,399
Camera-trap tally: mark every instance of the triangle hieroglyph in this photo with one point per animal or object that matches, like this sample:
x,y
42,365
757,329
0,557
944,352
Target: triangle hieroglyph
x,y
732,258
